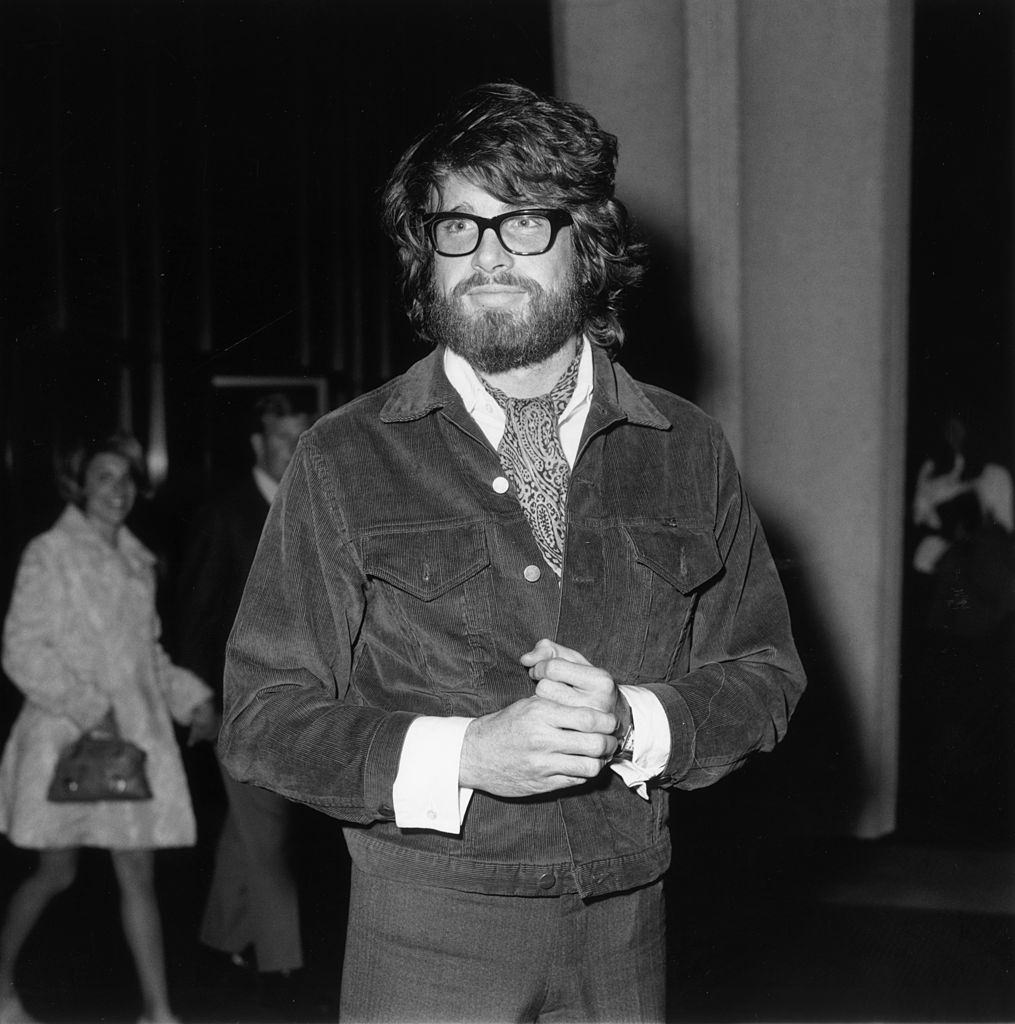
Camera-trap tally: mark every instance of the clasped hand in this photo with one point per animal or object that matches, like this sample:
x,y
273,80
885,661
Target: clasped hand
x,y
561,736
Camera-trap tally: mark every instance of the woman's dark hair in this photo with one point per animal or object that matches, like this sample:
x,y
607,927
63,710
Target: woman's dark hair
x,y
73,463
521,148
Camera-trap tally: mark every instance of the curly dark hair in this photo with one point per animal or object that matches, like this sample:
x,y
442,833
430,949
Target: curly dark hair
x,y
521,147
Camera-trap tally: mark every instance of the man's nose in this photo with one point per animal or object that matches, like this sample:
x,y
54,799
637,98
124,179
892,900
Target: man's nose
x,y
490,255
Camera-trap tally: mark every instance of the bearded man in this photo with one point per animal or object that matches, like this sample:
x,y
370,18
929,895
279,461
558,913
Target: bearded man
x,y
507,602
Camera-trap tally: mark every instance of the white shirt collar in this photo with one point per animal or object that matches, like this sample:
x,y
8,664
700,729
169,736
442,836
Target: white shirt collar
x,y
489,416
265,484
466,382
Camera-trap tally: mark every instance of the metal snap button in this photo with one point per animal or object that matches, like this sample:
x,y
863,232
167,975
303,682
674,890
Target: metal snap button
x,y
532,573
500,484
547,881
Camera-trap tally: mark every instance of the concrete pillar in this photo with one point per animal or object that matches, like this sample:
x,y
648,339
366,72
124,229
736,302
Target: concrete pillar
x,y
772,140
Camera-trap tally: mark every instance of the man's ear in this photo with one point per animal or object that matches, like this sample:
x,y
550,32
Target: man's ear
x,y
257,444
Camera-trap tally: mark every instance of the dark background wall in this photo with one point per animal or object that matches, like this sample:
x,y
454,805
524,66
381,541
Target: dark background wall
x,y
954,704
191,191
961,252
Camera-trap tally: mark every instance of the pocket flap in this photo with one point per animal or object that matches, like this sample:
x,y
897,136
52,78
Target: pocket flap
x,y
427,563
687,559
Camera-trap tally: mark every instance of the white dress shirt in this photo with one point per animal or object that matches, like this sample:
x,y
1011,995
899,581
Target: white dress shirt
x,y
267,485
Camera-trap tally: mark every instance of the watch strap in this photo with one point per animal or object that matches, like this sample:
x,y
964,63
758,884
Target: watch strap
x,y
625,736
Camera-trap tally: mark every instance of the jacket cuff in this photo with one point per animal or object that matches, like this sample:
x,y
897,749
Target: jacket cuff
x,y
381,765
681,731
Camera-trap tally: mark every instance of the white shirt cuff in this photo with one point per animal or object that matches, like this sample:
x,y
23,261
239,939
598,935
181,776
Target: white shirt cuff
x,y
426,793
651,740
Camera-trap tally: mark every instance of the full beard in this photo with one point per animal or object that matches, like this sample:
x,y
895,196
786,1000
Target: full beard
x,y
494,341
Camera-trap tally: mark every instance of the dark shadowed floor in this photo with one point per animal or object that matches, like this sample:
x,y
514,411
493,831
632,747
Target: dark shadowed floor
x,y
765,931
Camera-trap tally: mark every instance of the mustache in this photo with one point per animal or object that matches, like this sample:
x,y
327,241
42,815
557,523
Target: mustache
x,y
506,279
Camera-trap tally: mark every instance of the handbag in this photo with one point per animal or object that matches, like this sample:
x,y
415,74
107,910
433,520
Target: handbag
x,y
100,767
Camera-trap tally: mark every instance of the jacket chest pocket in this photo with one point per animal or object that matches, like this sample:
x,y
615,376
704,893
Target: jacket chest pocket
x,y
670,567
432,607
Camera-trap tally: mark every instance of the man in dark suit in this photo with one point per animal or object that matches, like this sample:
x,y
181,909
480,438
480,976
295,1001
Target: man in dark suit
x,y
253,901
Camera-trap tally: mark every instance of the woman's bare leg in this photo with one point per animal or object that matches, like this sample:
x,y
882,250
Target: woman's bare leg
x,y
54,873
135,871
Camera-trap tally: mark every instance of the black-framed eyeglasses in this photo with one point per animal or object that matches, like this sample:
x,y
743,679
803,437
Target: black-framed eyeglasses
x,y
520,232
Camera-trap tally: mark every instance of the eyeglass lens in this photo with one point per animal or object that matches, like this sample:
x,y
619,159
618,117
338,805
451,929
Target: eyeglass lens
x,y
526,234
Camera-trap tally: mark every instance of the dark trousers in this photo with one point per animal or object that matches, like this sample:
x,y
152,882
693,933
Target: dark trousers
x,y
417,953
253,898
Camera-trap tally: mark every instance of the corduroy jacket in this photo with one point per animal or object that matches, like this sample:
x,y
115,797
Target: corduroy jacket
x,y
393,580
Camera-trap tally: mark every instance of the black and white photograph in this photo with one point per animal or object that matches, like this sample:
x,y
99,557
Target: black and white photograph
x,y
507,511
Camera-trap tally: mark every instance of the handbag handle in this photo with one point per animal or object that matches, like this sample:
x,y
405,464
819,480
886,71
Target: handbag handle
x,y
106,727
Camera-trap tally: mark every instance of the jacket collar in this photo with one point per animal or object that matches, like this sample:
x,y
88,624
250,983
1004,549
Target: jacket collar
x,y
75,524
424,388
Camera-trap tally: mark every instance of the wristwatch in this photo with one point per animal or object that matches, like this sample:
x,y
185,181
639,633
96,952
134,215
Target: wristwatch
x,y
625,737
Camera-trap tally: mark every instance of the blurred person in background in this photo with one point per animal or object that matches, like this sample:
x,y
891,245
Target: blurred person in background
x,y
252,910
959,779
956,464
81,642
